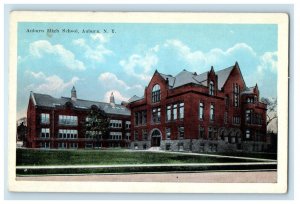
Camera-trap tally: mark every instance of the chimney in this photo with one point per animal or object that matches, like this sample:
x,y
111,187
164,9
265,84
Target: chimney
x,y
112,98
73,94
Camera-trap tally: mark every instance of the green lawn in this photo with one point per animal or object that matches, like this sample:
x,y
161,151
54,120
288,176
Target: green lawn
x,y
109,157
259,155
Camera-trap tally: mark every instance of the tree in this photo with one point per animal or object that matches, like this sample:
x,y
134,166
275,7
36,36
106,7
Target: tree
x,y
272,109
21,132
96,124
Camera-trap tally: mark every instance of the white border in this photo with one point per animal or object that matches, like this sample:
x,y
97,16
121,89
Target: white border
x,y
150,17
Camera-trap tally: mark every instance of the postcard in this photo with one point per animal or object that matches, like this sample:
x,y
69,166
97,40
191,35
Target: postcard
x,y
148,102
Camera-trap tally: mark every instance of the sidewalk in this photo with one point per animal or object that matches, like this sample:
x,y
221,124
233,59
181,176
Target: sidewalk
x,y
144,165
205,177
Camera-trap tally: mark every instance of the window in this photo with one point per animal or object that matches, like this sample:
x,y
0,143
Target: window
x,y
45,133
201,111
45,145
201,132
140,118
236,120
45,118
144,117
168,133
169,115
136,119
259,119
181,132
212,112
68,120
156,115
127,134
175,112
93,135
181,110
248,116
73,145
115,123
236,93
62,145
67,134
115,135
145,134
156,93
127,124
211,88
248,134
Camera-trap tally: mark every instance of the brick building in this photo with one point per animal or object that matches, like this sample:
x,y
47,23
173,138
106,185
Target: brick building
x,y
208,112
59,123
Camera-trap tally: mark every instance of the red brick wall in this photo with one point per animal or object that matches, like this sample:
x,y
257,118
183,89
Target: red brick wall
x,y
191,95
34,126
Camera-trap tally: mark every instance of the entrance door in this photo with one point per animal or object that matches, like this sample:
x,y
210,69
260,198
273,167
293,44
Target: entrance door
x,y
155,138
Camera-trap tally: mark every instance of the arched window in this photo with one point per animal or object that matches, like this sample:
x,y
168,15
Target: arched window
x,y
156,93
211,88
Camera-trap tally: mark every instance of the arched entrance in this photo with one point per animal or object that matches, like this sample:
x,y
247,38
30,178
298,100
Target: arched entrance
x,y
155,138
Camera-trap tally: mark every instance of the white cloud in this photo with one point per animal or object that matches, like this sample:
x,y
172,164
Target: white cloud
x,y
37,75
140,66
215,57
118,96
50,84
193,58
268,61
97,51
100,37
79,42
67,58
109,79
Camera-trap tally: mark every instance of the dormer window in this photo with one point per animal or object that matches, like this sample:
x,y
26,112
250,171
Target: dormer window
x,y
211,88
156,93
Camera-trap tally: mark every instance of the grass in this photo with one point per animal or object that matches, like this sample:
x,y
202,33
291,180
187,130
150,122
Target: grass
x,y
144,169
248,154
110,157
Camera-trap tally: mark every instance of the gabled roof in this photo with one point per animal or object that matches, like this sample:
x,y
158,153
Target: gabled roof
x,y
45,100
223,76
186,77
134,98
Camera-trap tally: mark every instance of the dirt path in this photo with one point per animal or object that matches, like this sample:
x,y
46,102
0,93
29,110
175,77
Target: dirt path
x,y
205,177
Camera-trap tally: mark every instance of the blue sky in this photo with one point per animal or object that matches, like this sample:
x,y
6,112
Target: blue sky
x,y
124,61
